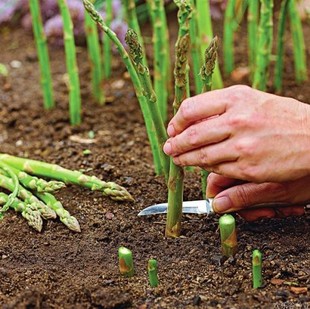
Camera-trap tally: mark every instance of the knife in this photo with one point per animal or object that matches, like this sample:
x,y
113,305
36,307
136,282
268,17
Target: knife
x,y
198,207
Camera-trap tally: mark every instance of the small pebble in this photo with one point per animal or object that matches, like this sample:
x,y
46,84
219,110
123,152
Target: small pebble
x,y
15,64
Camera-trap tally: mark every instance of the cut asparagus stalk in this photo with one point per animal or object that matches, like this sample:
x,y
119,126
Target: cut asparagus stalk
x,y
125,262
64,215
31,215
228,235
152,272
28,198
257,269
53,171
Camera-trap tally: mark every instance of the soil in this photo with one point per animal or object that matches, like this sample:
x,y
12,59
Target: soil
x,y
58,268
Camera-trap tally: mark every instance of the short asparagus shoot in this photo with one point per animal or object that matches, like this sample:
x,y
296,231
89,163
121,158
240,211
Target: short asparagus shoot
x,y
228,233
257,269
152,269
125,262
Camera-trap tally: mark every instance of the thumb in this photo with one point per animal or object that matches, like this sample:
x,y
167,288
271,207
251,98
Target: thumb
x,y
248,194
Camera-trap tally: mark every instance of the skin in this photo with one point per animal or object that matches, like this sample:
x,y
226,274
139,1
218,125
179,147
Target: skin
x,y
257,145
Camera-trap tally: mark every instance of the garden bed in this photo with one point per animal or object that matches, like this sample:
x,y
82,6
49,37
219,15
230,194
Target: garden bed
x,y
58,268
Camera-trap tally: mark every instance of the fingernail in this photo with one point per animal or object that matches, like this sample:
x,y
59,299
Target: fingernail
x,y
167,148
222,204
171,130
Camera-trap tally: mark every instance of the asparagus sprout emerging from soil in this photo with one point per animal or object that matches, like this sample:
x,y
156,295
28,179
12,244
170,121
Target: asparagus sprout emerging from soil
x,y
206,73
40,38
176,173
257,269
228,233
152,269
125,259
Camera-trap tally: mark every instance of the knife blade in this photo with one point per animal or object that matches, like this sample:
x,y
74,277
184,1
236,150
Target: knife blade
x,y
199,207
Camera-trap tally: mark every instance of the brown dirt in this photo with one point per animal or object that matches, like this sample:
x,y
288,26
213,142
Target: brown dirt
x,y
61,269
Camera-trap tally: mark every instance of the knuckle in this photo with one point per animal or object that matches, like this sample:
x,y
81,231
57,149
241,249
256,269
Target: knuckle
x,y
186,109
246,147
204,157
250,173
192,136
238,93
242,196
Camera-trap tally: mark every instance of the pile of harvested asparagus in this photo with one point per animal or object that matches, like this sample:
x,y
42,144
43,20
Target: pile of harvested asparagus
x,y
26,192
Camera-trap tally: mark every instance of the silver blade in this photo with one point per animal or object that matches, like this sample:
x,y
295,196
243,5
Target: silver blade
x,y
190,207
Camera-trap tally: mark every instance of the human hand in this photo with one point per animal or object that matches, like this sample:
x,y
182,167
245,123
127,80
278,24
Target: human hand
x,y
242,133
235,195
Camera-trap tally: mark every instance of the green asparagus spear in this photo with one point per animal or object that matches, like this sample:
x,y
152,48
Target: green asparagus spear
x,y
28,198
6,170
161,54
35,183
298,43
46,79
206,77
264,45
107,52
94,55
176,173
150,128
74,81
64,215
152,272
228,233
126,267
31,215
206,34
253,10
53,171
257,269
280,46
136,52
132,20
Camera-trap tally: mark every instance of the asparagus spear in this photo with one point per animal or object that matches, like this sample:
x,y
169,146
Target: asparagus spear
x,y
206,34
280,45
94,56
228,40
111,189
28,198
31,215
161,53
228,233
64,215
5,169
298,43
152,272
257,269
107,42
46,79
176,173
35,183
253,7
136,54
195,48
126,267
206,77
132,20
264,45
74,88
150,128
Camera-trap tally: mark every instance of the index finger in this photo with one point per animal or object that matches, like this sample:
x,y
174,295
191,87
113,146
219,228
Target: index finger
x,y
196,108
